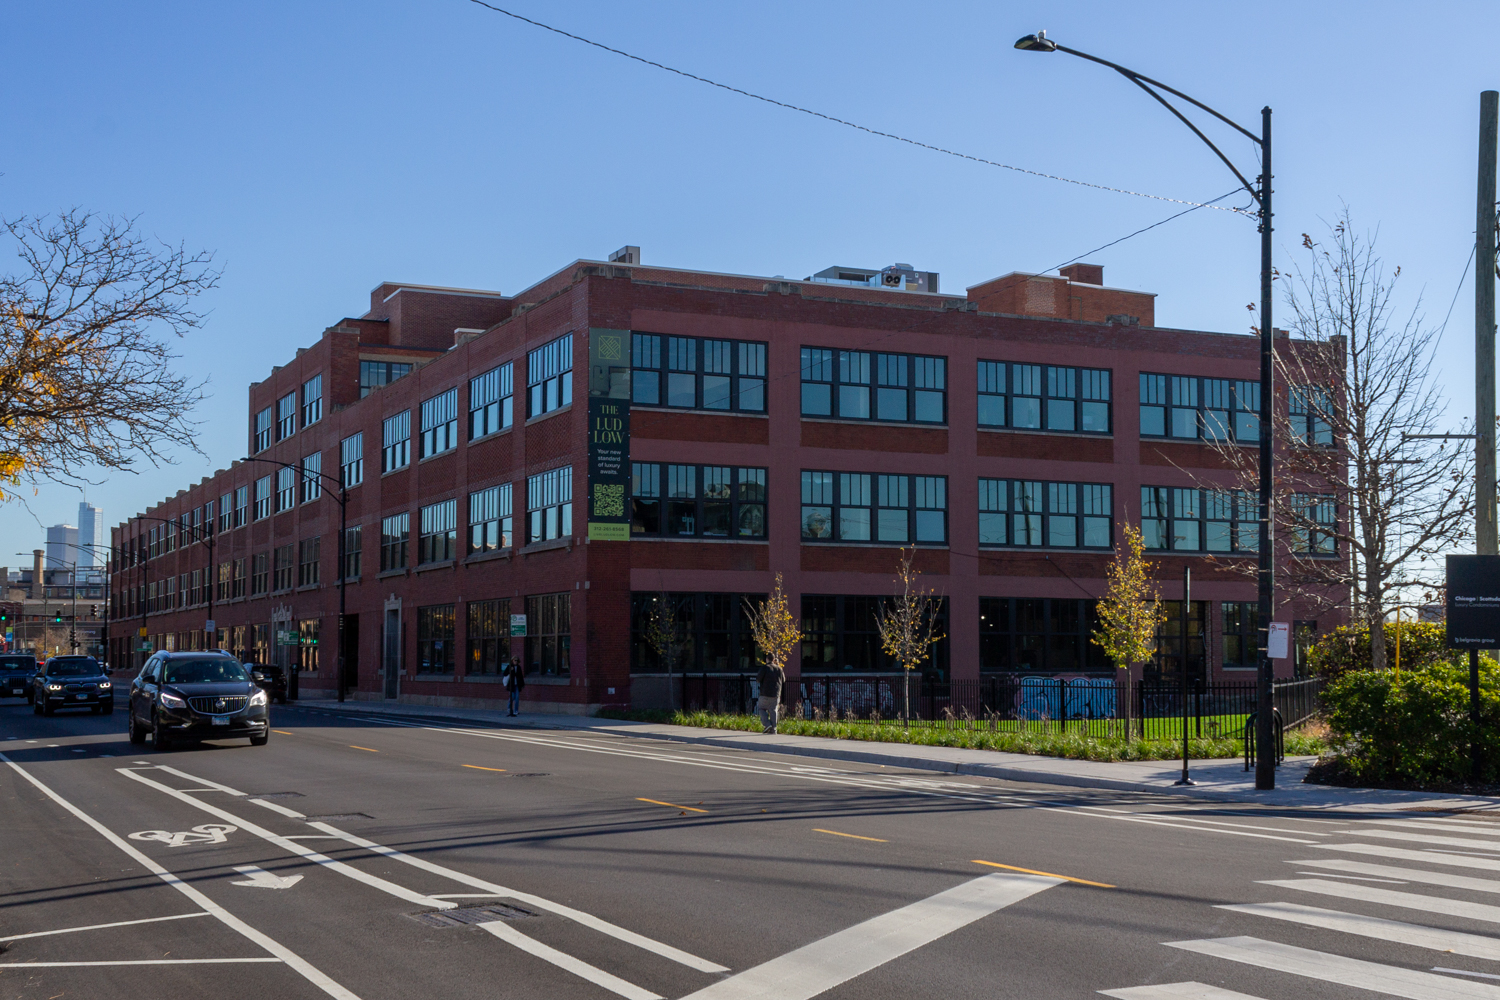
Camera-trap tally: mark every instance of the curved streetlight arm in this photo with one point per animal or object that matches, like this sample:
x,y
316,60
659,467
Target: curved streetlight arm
x,y
337,482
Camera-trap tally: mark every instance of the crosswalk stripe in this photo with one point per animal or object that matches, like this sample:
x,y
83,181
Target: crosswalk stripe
x,y
1390,980
1427,838
1397,931
1177,991
1406,854
1438,824
1409,874
1393,897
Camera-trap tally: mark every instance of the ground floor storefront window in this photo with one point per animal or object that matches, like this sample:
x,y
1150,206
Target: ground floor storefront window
x,y
840,635
1039,635
435,639
548,634
488,633
691,632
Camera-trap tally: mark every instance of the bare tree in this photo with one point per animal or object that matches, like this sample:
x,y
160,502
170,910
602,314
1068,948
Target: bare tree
x,y
907,624
1361,507
86,377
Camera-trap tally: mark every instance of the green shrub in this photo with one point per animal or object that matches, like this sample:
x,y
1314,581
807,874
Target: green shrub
x,y
1347,648
1412,727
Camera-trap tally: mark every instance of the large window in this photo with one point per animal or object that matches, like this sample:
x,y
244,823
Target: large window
x,y
549,376
224,577
1039,635
394,532
260,573
695,373
868,507
237,584
440,423
242,502
226,511
352,459
437,540
396,442
435,639
710,501
286,416
286,489
1241,645
548,635
1037,514
263,497
309,561
1194,520
1193,408
1311,408
374,374
312,477
710,633
1167,663
1044,397
487,624
549,504
1314,521
312,400
839,636
284,567
490,519
490,408
353,551
307,645
263,427
861,385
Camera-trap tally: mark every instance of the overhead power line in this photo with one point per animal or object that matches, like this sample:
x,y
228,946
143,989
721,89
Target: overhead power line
x,y
849,124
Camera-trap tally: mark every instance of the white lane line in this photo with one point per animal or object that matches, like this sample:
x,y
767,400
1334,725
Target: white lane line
x,y
505,932
1397,931
1177,991
1438,824
1086,811
142,961
275,807
100,927
1184,817
214,785
1356,878
578,916
1405,854
838,958
1408,874
1426,838
1465,972
375,882
1390,980
1393,897
285,954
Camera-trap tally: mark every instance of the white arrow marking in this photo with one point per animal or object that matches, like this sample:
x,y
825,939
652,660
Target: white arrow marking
x,y
261,879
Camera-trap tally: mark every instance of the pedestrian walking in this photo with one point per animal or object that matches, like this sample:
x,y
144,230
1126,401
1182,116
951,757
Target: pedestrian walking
x,y
515,679
771,679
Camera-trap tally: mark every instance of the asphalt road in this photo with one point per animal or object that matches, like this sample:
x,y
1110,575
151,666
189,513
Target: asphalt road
x,y
361,857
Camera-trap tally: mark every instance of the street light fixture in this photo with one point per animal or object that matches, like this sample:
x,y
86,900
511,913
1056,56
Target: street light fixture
x,y
1260,191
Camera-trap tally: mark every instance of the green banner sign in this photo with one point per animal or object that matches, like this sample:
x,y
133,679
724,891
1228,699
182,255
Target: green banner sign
x,y
609,436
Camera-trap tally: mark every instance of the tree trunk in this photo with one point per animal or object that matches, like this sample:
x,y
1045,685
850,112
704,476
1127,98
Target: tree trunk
x,y
1377,644
906,698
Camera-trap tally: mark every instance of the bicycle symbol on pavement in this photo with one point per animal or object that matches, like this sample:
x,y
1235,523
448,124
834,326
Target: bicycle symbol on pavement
x,y
208,833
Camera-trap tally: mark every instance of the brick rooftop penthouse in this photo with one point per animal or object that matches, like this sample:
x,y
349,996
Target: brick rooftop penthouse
x,y
809,428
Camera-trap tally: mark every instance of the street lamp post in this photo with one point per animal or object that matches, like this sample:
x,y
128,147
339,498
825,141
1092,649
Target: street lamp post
x,y
1260,191
201,534
343,502
91,550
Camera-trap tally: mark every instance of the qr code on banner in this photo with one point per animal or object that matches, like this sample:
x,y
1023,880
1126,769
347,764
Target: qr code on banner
x,y
609,500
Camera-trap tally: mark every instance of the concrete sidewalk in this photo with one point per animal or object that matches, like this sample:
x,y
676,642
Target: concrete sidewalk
x,y
1215,780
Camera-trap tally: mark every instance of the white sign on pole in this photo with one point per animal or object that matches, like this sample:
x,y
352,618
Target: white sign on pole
x,y
208,626
1278,641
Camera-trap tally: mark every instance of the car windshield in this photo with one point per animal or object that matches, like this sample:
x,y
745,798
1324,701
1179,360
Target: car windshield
x,y
72,668
218,670
13,663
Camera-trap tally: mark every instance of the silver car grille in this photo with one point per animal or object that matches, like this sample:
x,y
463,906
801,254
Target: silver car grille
x,y
218,704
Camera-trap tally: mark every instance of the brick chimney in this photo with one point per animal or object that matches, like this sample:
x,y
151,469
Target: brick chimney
x,y
1077,293
1084,274
38,581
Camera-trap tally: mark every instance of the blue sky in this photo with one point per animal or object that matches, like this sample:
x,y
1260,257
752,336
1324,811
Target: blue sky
x,y
321,148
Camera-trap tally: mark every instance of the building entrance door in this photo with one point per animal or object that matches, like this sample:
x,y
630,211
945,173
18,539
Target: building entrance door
x,y
391,661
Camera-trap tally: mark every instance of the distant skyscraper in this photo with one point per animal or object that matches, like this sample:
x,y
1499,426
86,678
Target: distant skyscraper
x,y
61,542
91,535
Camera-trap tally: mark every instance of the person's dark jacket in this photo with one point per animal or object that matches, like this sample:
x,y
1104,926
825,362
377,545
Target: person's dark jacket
x,y
771,680
515,678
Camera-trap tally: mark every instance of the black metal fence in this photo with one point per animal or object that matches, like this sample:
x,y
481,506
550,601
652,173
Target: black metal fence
x,y
1095,706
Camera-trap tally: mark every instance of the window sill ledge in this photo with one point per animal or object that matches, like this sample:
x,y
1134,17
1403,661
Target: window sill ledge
x,y
310,586
876,544
1163,439
661,408
710,539
549,681
350,580
481,679
433,678
392,572
404,468
494,434
430,567
1043,432
482,557
861,421
555,543
437,455
548,415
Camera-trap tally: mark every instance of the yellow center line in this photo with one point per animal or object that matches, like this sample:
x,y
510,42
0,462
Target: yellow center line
x,y
353,747
852,836
478,768
1031,871
283,732
671,805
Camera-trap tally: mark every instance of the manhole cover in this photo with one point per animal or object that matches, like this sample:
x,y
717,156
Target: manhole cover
x,y
467,915
341,816
276,795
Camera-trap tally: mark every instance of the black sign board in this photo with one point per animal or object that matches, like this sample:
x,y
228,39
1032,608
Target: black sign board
x,y
1473,610
609,436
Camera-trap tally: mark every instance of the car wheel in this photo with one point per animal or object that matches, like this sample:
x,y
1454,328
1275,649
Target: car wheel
x,y
108,708
260,741
48,708
162,740
135,733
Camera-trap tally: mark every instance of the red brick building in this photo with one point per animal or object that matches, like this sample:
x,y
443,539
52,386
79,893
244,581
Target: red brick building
x,y
809,428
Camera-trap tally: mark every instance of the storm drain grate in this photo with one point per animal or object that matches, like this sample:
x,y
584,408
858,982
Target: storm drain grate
x,y
466,916
330,816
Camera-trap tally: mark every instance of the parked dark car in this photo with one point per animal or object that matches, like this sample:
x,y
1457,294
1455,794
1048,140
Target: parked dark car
x,y
270,678
16,672
72,682
187,697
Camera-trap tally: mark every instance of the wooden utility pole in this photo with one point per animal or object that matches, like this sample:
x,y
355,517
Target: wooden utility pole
x,y
1485,536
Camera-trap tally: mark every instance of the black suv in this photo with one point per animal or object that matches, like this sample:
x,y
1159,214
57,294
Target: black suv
x,y
72,682
197,696
16,672
271,678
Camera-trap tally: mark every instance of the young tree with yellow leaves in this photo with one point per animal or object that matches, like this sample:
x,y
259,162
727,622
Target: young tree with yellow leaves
x,y
776,632
907,624
1131,612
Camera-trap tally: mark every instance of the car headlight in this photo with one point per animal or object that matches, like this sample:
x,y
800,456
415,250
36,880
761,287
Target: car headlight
x,y
258,675
257,699
105,685
54,687
170,700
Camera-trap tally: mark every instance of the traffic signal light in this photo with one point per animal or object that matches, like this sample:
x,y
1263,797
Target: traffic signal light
x,y
58,619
